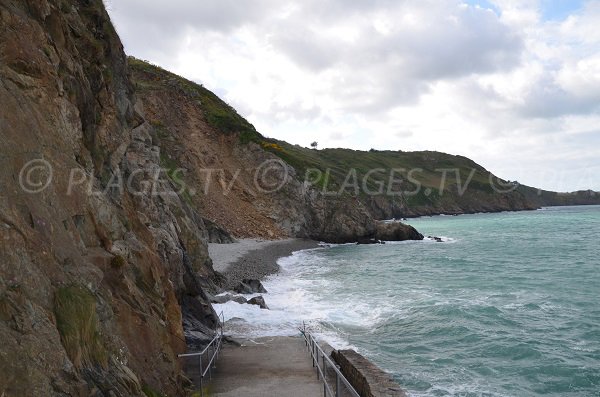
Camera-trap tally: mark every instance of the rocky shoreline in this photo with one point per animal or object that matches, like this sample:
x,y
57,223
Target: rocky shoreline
x,y
253,259
245,263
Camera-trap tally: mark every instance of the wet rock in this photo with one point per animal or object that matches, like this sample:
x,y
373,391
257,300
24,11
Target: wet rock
x,y
220,299
259,301
250,286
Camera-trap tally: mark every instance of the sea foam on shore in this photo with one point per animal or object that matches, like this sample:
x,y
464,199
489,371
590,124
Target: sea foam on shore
x,y
291,304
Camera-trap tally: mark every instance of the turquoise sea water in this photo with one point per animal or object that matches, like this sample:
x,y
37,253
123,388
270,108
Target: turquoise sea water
x,y
508,306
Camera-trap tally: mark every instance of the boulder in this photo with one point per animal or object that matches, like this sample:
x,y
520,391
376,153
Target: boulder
x,y
259,301
219,299
396,231
250,286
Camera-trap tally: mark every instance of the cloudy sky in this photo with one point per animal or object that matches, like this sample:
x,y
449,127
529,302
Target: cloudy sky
x,y
512,84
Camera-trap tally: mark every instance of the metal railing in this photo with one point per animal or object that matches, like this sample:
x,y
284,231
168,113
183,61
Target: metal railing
x,y
211,351
325,367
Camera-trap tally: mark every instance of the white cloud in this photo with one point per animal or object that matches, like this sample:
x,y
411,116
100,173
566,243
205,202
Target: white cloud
x,y
514,92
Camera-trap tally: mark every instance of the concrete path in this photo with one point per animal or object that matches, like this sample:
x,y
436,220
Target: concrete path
x,y
266,367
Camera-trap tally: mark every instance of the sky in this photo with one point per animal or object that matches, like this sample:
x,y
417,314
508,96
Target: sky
x,y
511,84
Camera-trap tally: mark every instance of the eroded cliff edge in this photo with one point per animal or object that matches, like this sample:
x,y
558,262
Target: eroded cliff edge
x,y
228,170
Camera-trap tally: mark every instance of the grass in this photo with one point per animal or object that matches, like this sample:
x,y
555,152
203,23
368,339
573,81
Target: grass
x,y
77,324
329,168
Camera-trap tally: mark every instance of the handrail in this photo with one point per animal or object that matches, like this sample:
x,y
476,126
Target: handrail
x,y
216,343
340,379
217,336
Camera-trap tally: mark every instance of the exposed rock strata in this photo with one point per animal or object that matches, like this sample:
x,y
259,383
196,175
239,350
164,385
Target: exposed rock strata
x,y
93,277
227,175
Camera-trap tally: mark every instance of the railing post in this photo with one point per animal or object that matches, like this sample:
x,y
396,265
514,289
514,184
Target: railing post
x,y
312,352
201,377
317,359
324,377
209,363
337,385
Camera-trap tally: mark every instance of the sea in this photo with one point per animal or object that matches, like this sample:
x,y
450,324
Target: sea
x,y
507,304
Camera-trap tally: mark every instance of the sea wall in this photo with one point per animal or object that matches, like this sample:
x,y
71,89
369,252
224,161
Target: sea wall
x,y
366,377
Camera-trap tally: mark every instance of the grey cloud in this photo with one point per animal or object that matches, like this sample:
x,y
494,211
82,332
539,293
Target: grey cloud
x,y
476,43
403,134
338,136
158,27
294,111
380,71
547,100
220,15
306,48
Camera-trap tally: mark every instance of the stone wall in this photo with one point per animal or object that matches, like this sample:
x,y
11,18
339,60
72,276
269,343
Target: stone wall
x,y
366,377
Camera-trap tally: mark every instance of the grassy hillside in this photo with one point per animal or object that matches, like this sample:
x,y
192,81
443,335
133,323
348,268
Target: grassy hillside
x,y
418,176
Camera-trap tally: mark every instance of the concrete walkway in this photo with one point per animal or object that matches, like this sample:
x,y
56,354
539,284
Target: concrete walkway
x,y
265,367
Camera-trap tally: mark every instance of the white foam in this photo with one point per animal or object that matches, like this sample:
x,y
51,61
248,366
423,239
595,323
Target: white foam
x,y
293,301
444,239
305,291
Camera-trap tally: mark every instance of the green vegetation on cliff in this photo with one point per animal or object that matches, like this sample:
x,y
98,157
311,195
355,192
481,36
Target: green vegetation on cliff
x,y
77,324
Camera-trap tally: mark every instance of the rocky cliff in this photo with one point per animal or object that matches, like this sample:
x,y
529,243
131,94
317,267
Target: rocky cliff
x,y
255,186
231,173
101,260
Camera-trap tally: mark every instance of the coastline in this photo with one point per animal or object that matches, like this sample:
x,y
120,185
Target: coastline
x,y
253,258
257,259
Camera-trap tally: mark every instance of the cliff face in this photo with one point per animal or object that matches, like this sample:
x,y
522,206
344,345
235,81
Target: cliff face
x,y
95,267
226,169
259,187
